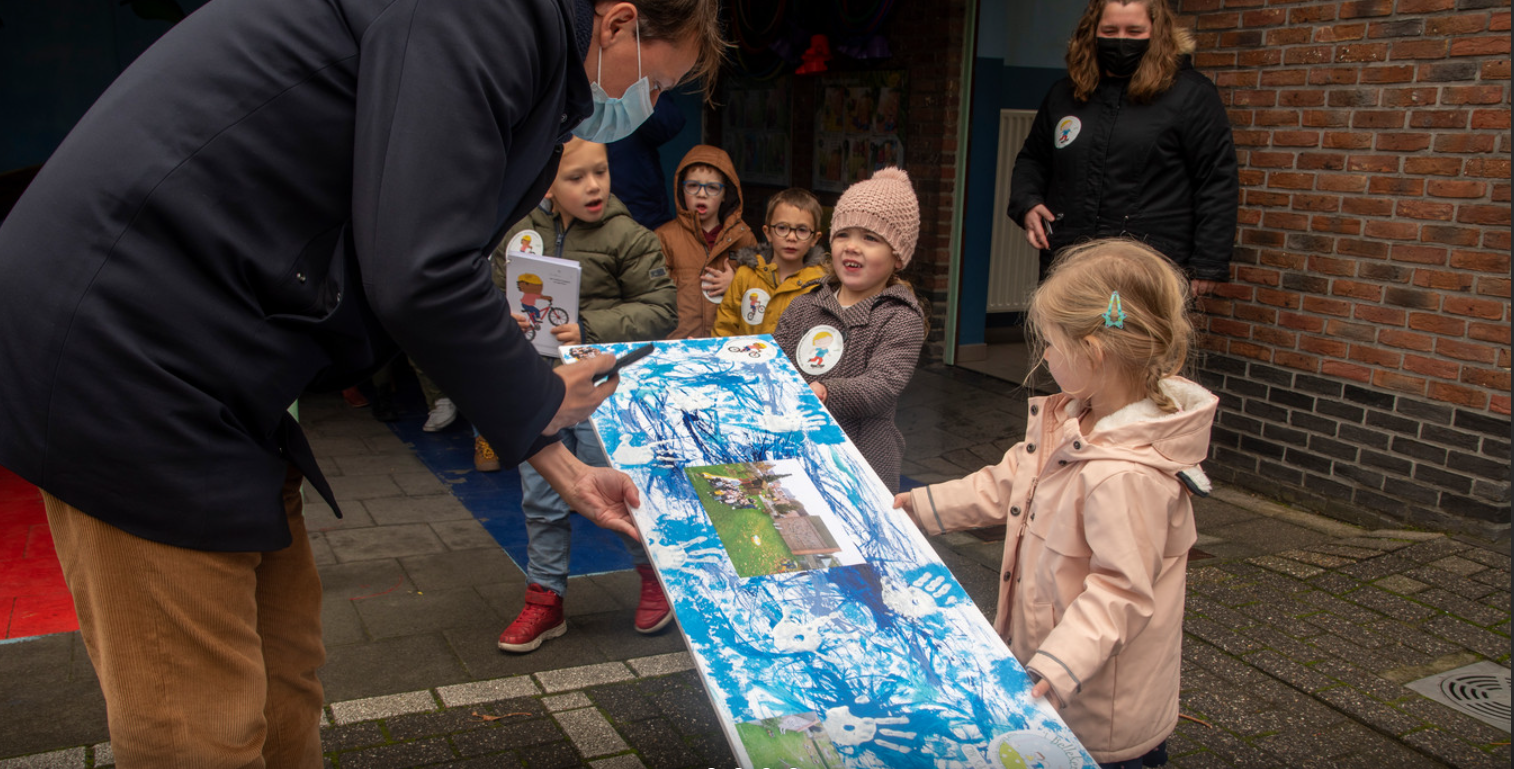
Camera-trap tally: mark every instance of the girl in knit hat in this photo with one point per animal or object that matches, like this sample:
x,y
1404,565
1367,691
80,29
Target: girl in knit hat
x,y
856,339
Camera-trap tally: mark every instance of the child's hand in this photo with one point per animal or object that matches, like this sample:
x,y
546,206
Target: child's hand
x,y
522,321
904,502
820,391
567,333
1040,689
716,278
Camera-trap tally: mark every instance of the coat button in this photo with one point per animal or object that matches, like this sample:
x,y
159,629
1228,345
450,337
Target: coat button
x,y
564,118
1061,461
1077,444
1014,511
300,276
1030,448
1007,575
1034,410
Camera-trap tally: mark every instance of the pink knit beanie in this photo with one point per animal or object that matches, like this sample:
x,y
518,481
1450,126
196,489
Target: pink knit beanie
x,y
886,205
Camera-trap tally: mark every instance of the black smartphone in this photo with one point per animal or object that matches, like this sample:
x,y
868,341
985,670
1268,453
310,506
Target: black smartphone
x,y
625,360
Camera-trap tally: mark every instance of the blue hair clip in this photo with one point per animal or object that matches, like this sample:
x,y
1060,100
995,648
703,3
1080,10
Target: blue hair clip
x,y
1114,316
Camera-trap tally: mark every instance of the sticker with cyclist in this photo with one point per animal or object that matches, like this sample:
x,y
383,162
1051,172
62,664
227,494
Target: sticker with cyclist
x,y
747,349
820,349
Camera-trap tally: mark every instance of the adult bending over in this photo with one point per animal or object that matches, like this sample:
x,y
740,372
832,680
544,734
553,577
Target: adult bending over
x,y
282,195
1132,142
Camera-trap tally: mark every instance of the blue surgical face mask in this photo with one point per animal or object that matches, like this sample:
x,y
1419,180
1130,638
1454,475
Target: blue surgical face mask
x,y
615,119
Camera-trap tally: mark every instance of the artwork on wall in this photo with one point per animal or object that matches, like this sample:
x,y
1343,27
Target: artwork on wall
x,y
755,126
825,628
859,127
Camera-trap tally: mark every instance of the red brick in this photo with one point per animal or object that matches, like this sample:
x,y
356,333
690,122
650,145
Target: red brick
x,y
1402,142
1499,404
1476,353
1382,316
1231,328
1296,98
1472,94
1500,193
1324,346
1497,379
1444,188
1406,340
1275,337
1236,79
1356,9
1277,298
1490,118
1487,332
1307,54
1299,322
1337,33
1497,240
1253,98
1340,225
1262,198
1284,77
1383,272
1354,97
1439,118
1252,138
1258,276
1357,290
1273,159
1400,27
1288,36
1262,238
1219,21
1498,287
1316,203
1256,313
1421,209
1420,49
1207,60
1499,22
1433,166
1376,356
1383,164
1323,306
1396,185
1464,143
1305,15
1378,119
1344,370
1403,252
1495,70
1467,306
1481,261
1334,75
1395,73
1494,215
1252,177
1441,369
1461,396
1481,46
1393,230
1341,183
1424,6
1437,323
1465,24
1296,361
1356,53
1322,161
1449,235
1409,97
1442,279
1346,141
1367,206
1265,57
1212,343
1446,71
1249,350
1289,180
1252,38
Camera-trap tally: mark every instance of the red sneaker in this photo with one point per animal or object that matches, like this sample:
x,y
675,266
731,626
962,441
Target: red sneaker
x,y
355,397
653,612
539,620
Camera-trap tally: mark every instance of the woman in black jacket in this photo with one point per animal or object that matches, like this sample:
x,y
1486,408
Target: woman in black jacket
x,y
1133,142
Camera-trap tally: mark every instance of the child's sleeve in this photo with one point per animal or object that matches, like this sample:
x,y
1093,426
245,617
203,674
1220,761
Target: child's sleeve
x,y
728,317
648,309
1128,529
889,367
970,502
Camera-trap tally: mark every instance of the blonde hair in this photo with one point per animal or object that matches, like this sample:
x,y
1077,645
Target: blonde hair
x,y
1151,340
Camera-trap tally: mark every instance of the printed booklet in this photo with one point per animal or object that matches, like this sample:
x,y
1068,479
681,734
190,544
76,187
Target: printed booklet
x,y
544,288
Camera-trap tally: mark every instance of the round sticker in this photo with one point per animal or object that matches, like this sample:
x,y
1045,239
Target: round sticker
x,y
754,305
525,242
1067,130
746,349
819,349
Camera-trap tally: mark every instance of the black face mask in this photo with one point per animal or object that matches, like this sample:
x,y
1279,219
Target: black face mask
x,y
1121,56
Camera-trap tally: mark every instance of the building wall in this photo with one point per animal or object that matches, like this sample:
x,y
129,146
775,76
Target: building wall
x,y
1361,350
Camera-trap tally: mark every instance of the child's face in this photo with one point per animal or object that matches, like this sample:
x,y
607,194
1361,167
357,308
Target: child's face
x,y
704,201
1069,364
528,288
583,182
791,248
863,261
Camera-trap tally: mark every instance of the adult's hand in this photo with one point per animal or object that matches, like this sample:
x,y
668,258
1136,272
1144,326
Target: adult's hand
x,y
580,395
1035,228
601,494
1202,287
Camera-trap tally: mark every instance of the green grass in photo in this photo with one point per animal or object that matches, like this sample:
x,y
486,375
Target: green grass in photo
x,y
770,746
768,554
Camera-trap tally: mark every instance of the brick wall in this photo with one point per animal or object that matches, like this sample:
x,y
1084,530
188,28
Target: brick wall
x,y
1362,349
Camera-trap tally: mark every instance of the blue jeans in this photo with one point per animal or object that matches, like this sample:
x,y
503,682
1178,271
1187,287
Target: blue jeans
x,y
548,527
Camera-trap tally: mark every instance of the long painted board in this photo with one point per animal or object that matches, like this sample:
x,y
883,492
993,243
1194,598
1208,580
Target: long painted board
x,y
827,631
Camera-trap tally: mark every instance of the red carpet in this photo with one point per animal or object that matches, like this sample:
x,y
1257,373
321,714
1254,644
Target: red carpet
x,y
33,598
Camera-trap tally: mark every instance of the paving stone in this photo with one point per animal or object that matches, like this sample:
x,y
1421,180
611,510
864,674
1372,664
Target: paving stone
x,y
1285,645
440,723
1456,606
1369,711
713,750
1379,567
407,509
618,762
514,734
1361,657
1284,616
1434,549
104,755
583,676
1487,644
486,691
1287,566
375,708
688,709
569,701
1207,574
1333,624
1335,583
420,484
370,669
662,664
1339,608
502,760
378,464
1371,684
1458,565
1487,558
1383,541
1346,552
1398,632
404,613
459,568
363,487
1388,604
361,735
1374,751
623,703
659,743
555,755
1220,636
383,542
1398,583
1453,751
469,534
590,732
1322,560
402,755
1451,720
72,758
1289,671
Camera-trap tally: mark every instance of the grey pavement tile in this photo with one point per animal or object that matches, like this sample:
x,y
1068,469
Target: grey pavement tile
x,y
474,692
590,732
1314,558
359,735
1339,626
363,487
375,708
615,636
363,579
458,568
1334,582
1453,751
1289,671
1456,606
402,755
1378,715
1219,635
569,701
687,707
103,755
319,518
1370,750
661,664
71,758
1403,633
320,550
1489,645
340,623
388,666
1360,656
50,715
1458,565
659,743
1346,552
627,761
713,750
383,542
605,592
1287,566
1487,558
326,447
404,728
477,648
425,509
1285,645
1220,613
1228,748
1207,575
1317,748
583,676
1434,549
1400,584
387,463
552,755
1369,683
1386,541
1267,535
1220,664
467,535
623,703
1349,611
1284,616
1379,567
1456,583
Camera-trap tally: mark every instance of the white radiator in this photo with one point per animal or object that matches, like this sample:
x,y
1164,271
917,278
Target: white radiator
x,y
1013,263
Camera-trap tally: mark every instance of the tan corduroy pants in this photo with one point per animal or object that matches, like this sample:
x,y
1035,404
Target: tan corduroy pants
x,y
207,659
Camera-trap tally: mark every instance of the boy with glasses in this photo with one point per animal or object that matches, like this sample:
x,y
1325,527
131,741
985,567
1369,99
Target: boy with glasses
x,y
770,276
699,242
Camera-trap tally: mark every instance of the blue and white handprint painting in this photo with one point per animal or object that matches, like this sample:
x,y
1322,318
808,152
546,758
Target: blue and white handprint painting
x,y
842,635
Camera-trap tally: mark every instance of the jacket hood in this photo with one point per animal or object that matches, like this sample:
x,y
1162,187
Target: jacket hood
x,y
710,156
1142,432
542,215
761,255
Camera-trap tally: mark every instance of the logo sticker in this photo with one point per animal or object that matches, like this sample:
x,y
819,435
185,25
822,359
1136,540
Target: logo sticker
x,y
1067,130
746,349
754,305
820,349
526,242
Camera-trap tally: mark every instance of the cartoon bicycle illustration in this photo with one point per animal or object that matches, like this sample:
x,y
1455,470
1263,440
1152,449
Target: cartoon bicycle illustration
x,y
754,349
537,305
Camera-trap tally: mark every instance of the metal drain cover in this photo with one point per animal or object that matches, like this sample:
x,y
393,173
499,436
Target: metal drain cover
x,y
1480,691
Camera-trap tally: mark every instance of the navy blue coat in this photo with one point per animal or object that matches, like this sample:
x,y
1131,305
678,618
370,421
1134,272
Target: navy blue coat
x,y
279,194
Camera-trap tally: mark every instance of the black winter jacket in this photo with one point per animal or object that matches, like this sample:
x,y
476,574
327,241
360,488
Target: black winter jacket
x,y
277,194
1163,172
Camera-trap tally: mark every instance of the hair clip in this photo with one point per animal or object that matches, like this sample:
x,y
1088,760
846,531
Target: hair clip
x,y
1114,316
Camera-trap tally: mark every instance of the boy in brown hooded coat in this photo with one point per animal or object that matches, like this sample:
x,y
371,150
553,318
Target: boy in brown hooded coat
x,y
699,242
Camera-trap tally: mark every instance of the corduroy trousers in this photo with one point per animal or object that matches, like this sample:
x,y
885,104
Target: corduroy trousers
x,y
207,659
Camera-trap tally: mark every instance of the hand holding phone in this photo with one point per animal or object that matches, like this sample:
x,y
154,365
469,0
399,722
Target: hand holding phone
x,y
623,361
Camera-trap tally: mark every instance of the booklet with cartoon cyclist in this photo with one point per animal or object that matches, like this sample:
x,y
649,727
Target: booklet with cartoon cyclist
x,y
543,288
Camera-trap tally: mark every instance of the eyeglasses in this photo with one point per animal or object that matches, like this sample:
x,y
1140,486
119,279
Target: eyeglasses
x,y
709,189
801,233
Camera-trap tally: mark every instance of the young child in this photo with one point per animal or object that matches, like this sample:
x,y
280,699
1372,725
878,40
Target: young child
x,y
1097,500
624,295
857,338
698,242
769,277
